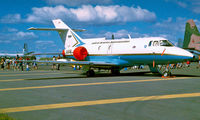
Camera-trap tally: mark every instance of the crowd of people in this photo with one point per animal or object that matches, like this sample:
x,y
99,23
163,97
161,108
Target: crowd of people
x,y
17,63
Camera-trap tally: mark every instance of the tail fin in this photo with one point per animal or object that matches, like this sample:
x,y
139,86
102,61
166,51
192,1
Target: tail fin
x,y
68,36
25,49
192,36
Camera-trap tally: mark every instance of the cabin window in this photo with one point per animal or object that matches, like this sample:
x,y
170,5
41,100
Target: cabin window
x,y
155,43
150,43
165,43
99,47
109,47
69,36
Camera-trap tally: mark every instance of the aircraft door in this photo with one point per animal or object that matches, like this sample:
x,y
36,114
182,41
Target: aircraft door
x,y
109,50
153,48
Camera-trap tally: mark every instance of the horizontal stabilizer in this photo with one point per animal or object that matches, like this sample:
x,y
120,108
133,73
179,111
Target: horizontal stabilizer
x,y
56,29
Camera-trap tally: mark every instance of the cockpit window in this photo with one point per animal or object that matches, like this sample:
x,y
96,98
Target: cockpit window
x,y
165,43
150,43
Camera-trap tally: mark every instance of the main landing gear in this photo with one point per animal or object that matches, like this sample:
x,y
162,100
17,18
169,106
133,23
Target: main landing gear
x,y
114,71
90,73
163,70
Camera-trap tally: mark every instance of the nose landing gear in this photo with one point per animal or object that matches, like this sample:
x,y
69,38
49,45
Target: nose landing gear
x,y
163,70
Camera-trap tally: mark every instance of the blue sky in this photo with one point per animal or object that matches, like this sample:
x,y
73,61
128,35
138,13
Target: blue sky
x,y
100,18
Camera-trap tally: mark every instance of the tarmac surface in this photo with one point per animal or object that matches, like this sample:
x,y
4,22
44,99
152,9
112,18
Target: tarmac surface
x,y
68,95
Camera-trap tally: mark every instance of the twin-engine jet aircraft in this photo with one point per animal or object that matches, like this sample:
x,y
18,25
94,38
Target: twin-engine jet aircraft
x,y
24,53
155,52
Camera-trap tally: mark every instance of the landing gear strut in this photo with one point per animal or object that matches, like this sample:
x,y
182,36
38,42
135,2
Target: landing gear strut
x,y
163,70
90,73
166,72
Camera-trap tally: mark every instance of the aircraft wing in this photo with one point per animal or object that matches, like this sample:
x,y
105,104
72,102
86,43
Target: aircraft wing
x,y
10,55
91,63
46,54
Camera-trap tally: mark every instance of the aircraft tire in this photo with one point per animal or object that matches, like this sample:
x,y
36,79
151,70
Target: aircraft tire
x,y
115,71
167,74
90,73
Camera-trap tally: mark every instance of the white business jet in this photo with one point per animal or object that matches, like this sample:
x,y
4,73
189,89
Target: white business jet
x,y
155,52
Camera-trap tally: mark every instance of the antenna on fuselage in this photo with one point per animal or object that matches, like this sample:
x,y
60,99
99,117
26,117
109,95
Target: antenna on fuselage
x,y
113,37
129,36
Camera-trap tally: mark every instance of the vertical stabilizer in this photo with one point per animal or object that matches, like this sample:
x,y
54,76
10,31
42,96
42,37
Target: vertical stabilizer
x,y
68,36
25,49
192,36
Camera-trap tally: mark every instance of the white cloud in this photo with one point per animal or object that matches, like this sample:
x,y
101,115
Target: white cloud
x,y
44,42
49,46
25,35
117,35
11,18
78,2
19,35
178,25
45,14
193,5
87,14
182,4
12,29
115,13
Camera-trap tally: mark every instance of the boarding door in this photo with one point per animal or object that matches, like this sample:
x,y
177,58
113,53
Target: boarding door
x,y
109,50
154,48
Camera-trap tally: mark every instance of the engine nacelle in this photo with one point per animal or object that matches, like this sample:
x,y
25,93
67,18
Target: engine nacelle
x,y
80,53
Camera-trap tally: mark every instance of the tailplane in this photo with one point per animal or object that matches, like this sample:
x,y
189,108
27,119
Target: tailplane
x,y
69,38
25,49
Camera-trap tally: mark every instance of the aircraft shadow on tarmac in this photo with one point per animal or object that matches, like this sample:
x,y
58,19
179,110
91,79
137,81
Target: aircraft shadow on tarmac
x,y
143,74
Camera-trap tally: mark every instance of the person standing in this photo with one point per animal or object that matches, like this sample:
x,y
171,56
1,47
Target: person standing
x,y
58,63
199,63
54,65
2,63
27,64
35,67
21,63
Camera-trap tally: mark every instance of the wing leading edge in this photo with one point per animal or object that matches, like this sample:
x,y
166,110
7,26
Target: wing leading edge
x,y
91,63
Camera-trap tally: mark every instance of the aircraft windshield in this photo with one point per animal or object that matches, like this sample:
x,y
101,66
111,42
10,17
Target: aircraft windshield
x,y
165,43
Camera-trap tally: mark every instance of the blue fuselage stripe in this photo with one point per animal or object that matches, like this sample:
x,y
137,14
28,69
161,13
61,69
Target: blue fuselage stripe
x,y
130,60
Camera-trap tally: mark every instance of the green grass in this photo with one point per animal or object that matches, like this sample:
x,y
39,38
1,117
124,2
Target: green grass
x,y
5,117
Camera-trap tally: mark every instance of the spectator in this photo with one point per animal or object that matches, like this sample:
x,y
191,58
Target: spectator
x,y
2,63
58,63
188,63
54,65
21,63
35,67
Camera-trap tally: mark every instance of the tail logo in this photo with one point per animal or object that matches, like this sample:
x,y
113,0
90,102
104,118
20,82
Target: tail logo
x,y
78,41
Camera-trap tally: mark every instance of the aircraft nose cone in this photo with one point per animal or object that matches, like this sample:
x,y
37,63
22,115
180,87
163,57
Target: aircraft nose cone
x,y
190,56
